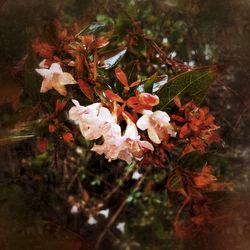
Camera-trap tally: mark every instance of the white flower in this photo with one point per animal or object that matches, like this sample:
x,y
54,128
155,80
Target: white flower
x,y
157,124
105,213
55,78
132,140
92,220
112,144
136,175
91,119
121,226
74,210
124,147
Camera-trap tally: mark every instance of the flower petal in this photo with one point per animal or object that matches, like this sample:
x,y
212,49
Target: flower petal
x,y
143,122
153,136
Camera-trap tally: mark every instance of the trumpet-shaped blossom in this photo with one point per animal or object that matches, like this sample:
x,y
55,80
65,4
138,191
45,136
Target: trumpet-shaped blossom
x,y
55,78
157,125
124,147
112,144
91,119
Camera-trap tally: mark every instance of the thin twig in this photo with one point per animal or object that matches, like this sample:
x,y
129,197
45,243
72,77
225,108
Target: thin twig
x,y
115,216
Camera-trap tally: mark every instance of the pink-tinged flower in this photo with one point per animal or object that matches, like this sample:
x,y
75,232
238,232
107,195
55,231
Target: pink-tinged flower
x,y
112,144
124,147
55,78
132,141
157,124
91,119
77,111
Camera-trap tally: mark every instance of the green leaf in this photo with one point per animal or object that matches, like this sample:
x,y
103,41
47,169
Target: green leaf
x,y
192,84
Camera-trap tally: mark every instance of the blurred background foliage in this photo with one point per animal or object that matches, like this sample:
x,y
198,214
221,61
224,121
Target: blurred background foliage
x,y
196,32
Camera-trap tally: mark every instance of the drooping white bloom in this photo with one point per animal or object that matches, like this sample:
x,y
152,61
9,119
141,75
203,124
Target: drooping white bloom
x,y
74,209
105,213
121,226
136,175
92,220
55,78
157,125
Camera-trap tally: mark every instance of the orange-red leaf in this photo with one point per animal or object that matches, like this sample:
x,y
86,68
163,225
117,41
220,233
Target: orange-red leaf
x,y
204,180
42,144
197,143
86,89
177,101
60,105
68,137
187,149
177,118
112,96
85,195
79,64
198,219
52,128
148,99
101,42
87,40
134,84
42,49
184,131
122,77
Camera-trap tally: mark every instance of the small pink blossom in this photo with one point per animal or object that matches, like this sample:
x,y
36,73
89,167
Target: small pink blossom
x,y
55,78
157,124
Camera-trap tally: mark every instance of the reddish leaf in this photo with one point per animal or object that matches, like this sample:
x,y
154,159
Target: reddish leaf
x,y
213,138
184,131
42,144
187,149
121,76
78,64
169,146
87,40
68,137
112,96
132,101
177,101
86,89
42,49
194,128
204,180
95,65
209,121
85,195
197,144
207,169
52,128
134,84
148,99
100,42
60,105
177,118
198,219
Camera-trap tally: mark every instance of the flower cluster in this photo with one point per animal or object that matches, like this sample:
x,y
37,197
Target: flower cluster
x,y
96,121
